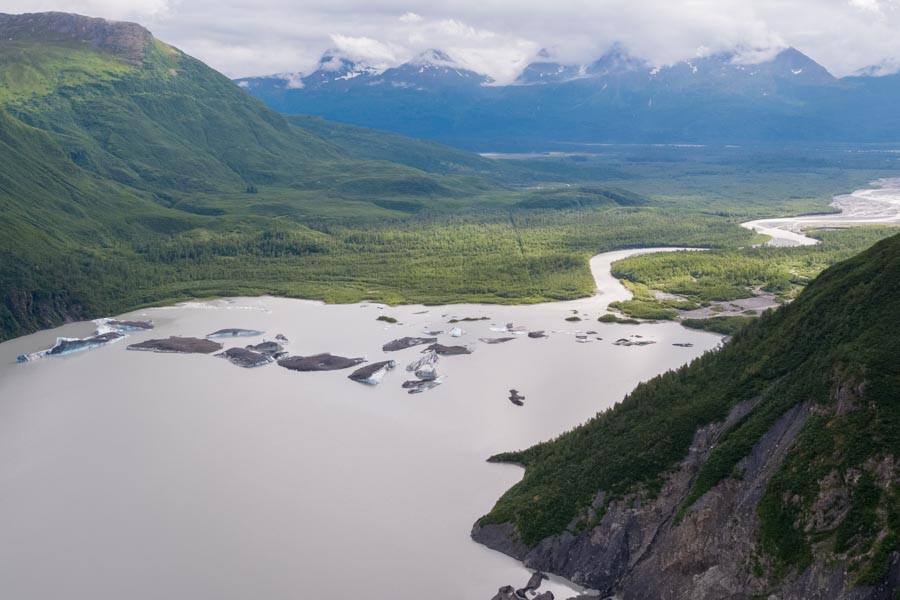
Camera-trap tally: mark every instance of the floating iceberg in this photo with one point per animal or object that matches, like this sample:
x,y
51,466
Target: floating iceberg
x,y
243,357
419,386
499,340
628,342
510,328
178,345
448,350
427,373
372,374
457,332
268,348
72,345
407,342
234,333
319,362
429,359
116,325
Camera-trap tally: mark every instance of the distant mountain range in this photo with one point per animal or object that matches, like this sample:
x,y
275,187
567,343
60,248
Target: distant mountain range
x,y
618,98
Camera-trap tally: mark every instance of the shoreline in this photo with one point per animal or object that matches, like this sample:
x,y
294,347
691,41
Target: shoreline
x,y
303,429
603,280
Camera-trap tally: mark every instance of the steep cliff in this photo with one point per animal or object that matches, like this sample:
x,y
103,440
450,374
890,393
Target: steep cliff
x,y
768,468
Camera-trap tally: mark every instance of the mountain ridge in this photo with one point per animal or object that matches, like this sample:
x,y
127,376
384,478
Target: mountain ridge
x,y
718,98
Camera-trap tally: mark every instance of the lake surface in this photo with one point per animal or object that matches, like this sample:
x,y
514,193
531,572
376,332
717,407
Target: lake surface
x,y
158,476
878,206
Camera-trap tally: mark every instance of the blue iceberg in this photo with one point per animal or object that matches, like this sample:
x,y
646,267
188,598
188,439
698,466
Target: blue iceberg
x,y
71,345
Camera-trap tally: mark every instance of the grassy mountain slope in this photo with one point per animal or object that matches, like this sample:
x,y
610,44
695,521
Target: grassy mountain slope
x,y
114,142
835,497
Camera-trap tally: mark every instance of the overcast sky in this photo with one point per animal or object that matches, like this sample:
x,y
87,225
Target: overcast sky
x,y
498,37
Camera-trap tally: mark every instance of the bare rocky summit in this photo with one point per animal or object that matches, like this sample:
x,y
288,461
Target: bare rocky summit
x,y
130,41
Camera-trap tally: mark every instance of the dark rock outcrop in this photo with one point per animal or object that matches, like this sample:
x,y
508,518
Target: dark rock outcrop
x,y
506,593
180,345
640,550
319,362
128,41
534,583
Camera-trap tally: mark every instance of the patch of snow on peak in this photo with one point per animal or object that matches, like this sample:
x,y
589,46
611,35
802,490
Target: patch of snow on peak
x,y
434,58
350,75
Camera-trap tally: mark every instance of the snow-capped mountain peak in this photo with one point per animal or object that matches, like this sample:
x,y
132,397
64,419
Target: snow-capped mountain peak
x,y
433,57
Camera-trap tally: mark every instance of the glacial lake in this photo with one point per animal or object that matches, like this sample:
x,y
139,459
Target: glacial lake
x,y
148,476
156,476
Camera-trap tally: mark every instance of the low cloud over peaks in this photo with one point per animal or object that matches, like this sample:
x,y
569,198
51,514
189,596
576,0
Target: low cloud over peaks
x,y
493,37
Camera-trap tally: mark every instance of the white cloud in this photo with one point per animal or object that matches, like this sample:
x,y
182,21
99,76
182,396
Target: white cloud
x,y
872,6
366,49
110,9
292,81
242,38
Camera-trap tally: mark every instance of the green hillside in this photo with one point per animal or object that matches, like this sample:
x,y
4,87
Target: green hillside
x,y
828,351
132,174
114,143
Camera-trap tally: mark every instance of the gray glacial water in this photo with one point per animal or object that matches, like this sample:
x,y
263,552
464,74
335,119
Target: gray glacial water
x,y
878,206
157,476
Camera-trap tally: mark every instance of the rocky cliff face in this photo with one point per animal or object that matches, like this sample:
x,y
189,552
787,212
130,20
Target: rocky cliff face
x,y
768,469
127,40
643,548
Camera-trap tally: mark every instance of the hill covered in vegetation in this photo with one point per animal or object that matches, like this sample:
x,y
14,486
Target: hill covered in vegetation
x,y
132,174
767,467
